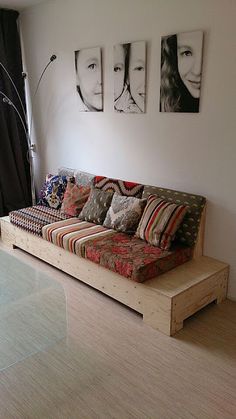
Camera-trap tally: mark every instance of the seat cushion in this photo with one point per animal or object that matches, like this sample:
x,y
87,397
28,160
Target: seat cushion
x,y
32,219
134,258
121,253
72,234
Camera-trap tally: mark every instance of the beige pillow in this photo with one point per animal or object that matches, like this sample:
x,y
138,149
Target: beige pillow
x,y
124,213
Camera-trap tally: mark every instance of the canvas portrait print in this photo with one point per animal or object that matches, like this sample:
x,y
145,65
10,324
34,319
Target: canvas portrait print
x,y
181,72
130,77
88,68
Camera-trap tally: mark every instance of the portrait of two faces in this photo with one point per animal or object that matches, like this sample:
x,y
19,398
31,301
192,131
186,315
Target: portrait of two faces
x,y
180,81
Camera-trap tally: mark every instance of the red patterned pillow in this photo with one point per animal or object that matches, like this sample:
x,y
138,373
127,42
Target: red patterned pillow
x,y
74,199
120,186
160,221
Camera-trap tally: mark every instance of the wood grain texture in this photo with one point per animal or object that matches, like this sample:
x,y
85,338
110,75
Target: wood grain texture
x,y
112,366
7,232
193,284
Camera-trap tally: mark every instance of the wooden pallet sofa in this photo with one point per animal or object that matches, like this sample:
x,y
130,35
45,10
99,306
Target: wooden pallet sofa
x,y
165,300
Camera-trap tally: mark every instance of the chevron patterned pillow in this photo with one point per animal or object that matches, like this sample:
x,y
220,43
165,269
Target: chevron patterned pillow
x,y
120,186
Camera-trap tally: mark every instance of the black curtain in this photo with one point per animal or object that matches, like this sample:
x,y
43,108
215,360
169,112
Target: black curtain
x,y
15,189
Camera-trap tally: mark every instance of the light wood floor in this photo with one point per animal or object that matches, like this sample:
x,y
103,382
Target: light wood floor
x,y
111,365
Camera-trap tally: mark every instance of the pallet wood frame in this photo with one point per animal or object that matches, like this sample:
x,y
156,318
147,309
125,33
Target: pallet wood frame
x,y
165,301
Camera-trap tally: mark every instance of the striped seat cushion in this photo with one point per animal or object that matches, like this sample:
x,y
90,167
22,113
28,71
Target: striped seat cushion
x,y
72,234
121,253
160,221
32,219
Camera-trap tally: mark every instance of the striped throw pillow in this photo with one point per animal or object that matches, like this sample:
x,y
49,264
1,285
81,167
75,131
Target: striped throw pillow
x,y
160,221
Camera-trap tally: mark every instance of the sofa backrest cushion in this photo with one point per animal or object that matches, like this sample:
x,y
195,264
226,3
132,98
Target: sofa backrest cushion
x,y
188,230
121,187
81,178
66,171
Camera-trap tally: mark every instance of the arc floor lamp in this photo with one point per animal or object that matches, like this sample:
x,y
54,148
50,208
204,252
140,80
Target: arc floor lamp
x,y
21,113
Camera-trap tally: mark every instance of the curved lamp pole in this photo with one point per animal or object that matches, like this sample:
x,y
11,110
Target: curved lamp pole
x,y
23,118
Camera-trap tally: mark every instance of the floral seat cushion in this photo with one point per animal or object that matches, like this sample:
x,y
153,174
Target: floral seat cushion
x,y
133,258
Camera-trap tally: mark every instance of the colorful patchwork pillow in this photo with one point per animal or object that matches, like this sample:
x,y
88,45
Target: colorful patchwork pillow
x,y
52,192
124,213
96,207
74,199
119,186
160,221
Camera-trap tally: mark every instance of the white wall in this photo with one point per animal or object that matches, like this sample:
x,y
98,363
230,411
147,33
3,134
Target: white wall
x,y
191,152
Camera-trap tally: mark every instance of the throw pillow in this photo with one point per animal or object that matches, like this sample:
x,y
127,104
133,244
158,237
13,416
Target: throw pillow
x,y
52,192
74,199
120,186
124,213
160,221
96,207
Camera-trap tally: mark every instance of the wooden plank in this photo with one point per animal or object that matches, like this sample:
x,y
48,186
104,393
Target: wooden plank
x,y
198,296
164,301
186,276
157,311
7,232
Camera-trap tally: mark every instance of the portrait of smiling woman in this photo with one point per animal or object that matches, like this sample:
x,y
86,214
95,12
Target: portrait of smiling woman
x,y
181,72
88,67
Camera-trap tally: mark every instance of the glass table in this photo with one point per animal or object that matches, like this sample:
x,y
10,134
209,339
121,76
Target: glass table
x,y
32,311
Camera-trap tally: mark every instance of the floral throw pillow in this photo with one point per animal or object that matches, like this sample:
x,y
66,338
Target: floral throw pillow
x,y
52,192
124,213
74,199
96,207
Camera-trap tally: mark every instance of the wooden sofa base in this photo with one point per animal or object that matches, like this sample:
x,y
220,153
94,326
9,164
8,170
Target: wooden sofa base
x,y
165,302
